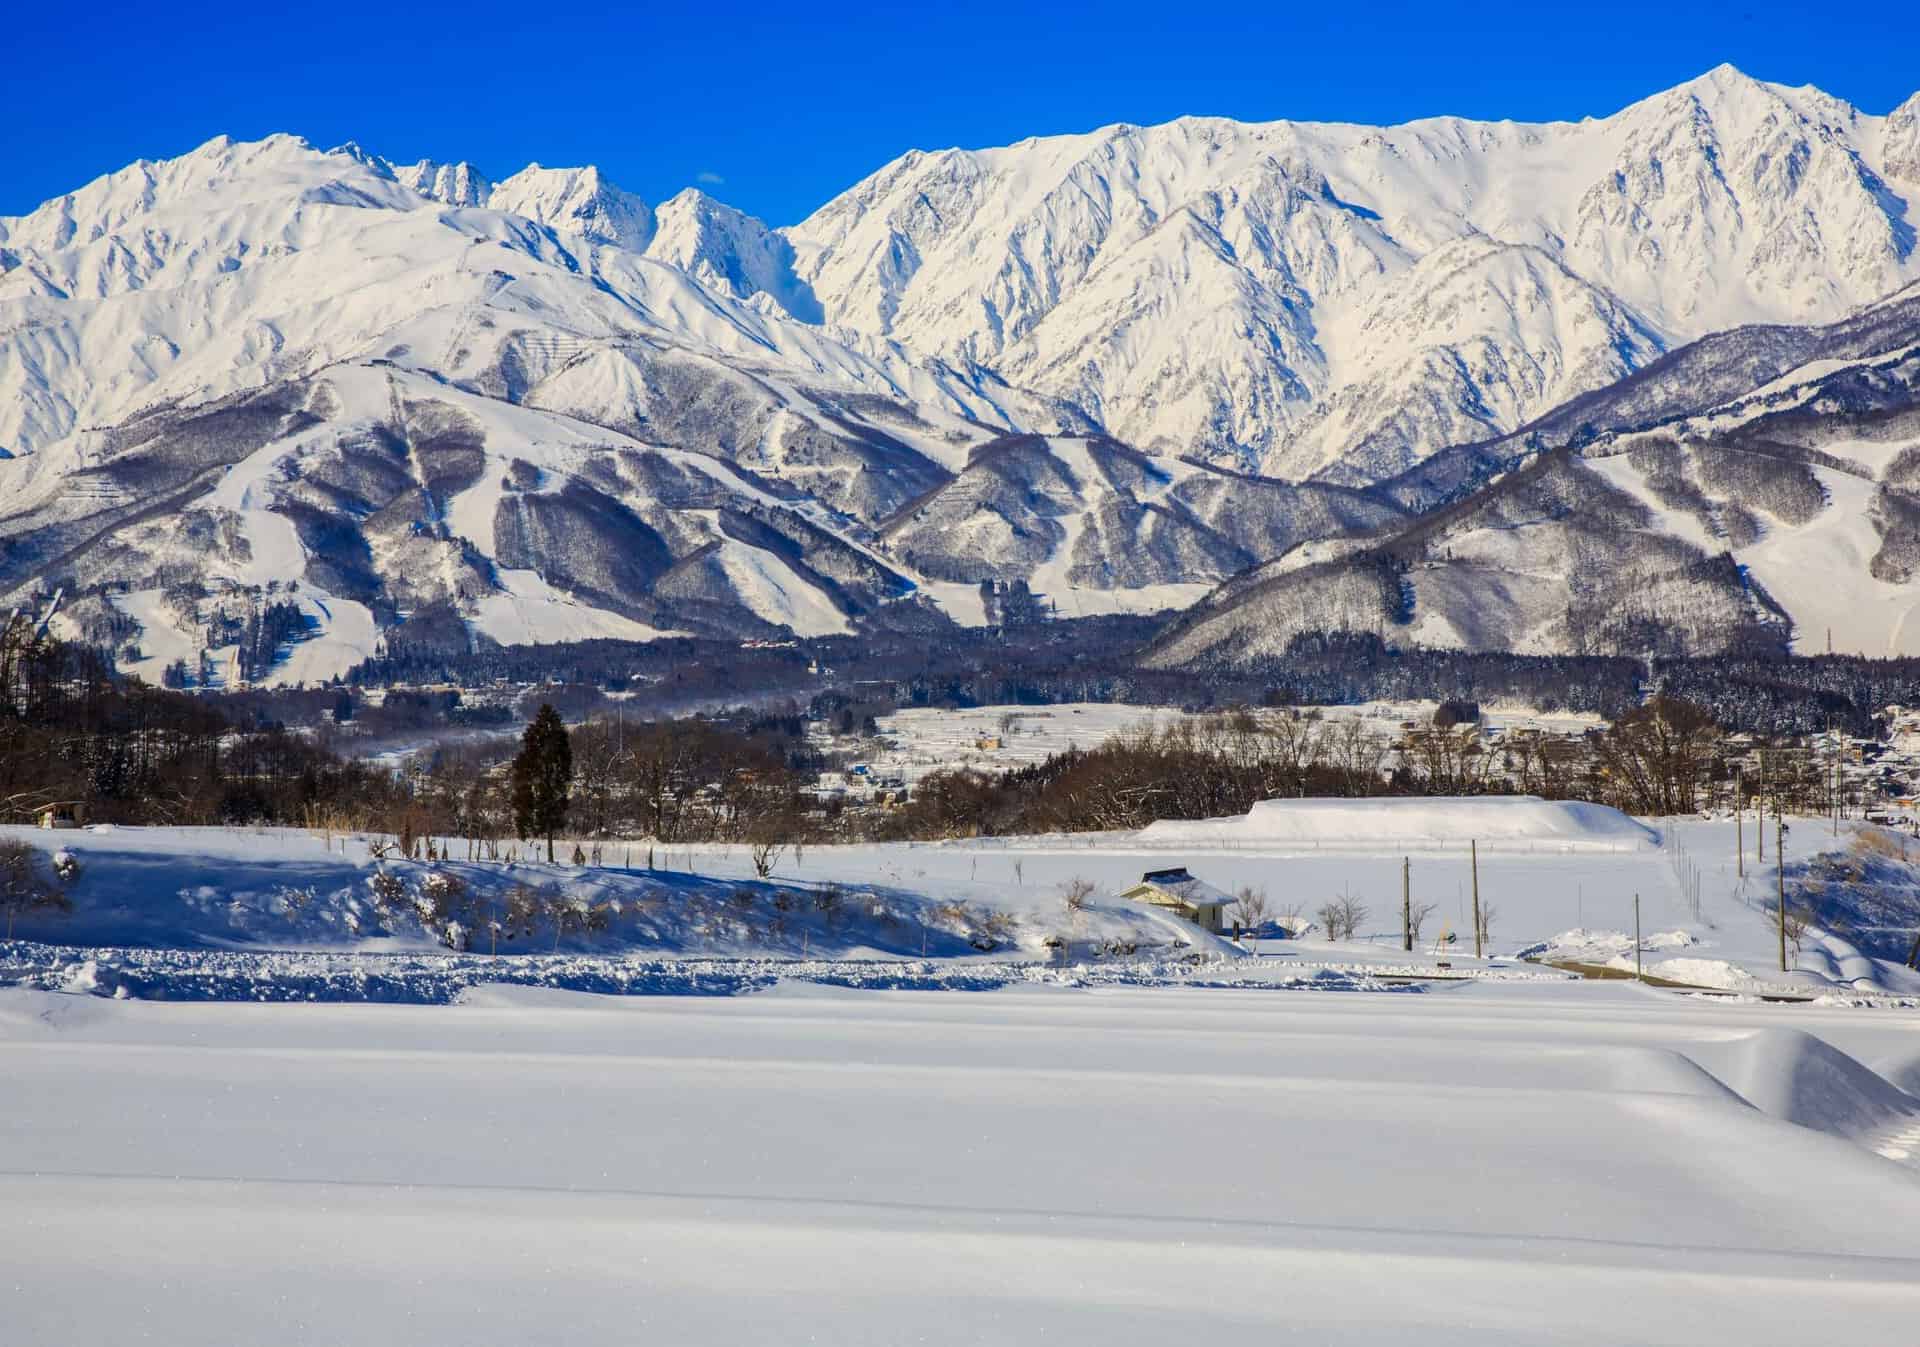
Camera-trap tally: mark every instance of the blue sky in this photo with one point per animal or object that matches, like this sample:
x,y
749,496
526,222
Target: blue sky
x,y
777,109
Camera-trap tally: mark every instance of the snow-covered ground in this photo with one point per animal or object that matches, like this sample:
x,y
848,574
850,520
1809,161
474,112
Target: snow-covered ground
x,y
1592,1163
925,739
805,1133
919,740
1559,882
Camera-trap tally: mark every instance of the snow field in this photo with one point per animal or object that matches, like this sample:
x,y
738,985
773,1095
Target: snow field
x,y
1506,1165
922,739
286,889
1418,823
1559,880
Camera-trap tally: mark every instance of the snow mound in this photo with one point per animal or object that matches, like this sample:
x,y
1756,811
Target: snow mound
x,y
1693,972
1580,942
1789,1074
1417,824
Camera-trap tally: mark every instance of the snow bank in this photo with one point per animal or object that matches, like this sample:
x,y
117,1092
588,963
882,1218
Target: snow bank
x,y
1693,972
273,888
1416,824
422,978
1792,1075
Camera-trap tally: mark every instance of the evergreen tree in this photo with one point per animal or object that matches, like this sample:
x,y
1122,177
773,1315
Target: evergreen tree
x,y
542,774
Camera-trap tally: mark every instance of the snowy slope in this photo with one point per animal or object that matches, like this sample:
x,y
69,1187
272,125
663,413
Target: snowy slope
x,y
267,365
1761,485
1346,299
1092,526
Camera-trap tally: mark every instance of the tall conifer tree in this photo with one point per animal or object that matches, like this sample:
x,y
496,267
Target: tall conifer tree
x,y
542,777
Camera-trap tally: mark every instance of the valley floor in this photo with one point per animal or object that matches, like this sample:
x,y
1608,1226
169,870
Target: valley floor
x,y
1499,1163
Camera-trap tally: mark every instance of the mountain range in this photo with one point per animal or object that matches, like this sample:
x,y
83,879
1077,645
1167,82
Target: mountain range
x,y
1632,383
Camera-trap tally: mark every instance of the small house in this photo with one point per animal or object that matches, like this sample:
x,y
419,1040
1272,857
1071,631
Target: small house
x,y
1179,892
62,816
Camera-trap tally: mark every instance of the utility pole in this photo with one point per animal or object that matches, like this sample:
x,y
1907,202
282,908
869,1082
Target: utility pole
x,y
1740,820
1780,865
1406,904
1833,790
1479,928
1637,977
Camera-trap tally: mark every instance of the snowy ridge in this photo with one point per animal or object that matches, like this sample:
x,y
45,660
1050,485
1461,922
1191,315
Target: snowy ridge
x,y
1345,299
1119,368
1759,485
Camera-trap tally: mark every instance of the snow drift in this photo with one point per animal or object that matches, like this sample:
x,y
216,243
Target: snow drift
x,y
1418,824
1790,1074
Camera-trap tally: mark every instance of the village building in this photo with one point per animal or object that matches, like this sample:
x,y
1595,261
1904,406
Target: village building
x,y
1180,892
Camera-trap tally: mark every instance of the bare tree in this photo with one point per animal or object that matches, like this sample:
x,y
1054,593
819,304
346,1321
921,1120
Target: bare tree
x,y
1340,917
1075,892
1250,908
1359,755
1659,755
1417,918
769,836
1485,918
766,853
1797,921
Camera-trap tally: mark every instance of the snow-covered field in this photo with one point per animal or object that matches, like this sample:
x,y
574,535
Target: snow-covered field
x,y
1560,882
920,740
903,1116
1586,1163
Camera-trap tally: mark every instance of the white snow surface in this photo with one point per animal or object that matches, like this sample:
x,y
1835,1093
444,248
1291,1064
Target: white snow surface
x,y
1511,1165
1419,823
527,610
1561,887
1104,1150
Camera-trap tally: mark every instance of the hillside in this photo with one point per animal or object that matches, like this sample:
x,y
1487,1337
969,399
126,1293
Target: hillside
x,y
1755,490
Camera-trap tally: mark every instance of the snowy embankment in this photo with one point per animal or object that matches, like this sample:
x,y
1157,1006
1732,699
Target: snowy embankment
x,y
1422,824
287,889
1492,1167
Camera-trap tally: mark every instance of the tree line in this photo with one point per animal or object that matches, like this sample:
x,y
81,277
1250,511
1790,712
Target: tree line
x,y
73,733
1668,756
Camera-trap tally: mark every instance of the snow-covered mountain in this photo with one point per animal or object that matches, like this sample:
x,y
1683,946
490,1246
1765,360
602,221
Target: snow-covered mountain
x,y
1340,300
1758,489
268,365
1117,368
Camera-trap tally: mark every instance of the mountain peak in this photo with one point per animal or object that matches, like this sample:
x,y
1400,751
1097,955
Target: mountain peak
x,y
456,184
1901,147
578,200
